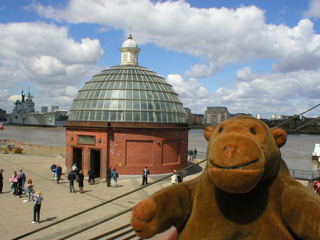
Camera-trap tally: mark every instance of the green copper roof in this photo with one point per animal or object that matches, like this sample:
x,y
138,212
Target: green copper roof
x,y
127,94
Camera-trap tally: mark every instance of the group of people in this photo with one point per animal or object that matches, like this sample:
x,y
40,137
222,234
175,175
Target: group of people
x,y
56,172
17,181
192,154
177,177
76,174
17,187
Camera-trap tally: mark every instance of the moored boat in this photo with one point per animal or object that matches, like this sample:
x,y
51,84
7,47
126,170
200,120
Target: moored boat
x,y
24,114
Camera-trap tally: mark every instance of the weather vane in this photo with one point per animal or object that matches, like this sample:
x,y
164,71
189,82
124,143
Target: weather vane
x,y
130,37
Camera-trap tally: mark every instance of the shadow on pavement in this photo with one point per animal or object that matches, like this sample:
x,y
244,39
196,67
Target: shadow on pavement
x,y
195,169
49,219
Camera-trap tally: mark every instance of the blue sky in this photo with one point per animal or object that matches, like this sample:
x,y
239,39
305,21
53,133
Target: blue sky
x,y
250,56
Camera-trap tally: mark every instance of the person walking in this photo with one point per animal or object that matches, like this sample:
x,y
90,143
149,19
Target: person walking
x,y
23,176
53,171
80,181
71,178
108,177
91,177
1,180
58,173
14,180
37,198
145,175
114,176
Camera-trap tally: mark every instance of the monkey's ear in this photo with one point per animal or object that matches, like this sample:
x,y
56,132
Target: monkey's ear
x,y
208,132
280,136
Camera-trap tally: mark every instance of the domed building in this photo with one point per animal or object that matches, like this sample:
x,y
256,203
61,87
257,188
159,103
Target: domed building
x,y
127,117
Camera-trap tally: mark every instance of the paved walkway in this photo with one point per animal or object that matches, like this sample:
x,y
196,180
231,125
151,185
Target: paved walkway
x,y
16,216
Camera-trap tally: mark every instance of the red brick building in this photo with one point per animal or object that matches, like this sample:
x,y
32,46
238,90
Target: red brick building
x,y
127,117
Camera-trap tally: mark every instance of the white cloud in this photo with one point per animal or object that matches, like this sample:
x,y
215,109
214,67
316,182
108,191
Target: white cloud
x,y
220,36
200,71
61,96
46,66
42,52
245,74
314,9
268,94
190,88
45,55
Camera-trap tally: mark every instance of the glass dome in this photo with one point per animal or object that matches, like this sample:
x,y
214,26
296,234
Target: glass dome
x,y
127,93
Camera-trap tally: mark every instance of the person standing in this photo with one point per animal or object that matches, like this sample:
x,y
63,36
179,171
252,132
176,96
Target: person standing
x,y
179,177
108,177
195,151
75,169
71,178
1,180
174,178
91,177
145,175
14,180
191,154
53,171
19,186
23,177
30,186
37,198
114,176
58,173
80,182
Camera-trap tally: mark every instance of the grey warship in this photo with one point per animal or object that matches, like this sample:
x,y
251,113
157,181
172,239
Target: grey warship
x,y
24,114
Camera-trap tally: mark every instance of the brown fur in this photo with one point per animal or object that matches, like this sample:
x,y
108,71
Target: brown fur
x,y
244,193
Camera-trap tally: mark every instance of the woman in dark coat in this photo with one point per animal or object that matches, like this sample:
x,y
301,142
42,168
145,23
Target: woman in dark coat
x,y
19,186
91,177
108,177
81,177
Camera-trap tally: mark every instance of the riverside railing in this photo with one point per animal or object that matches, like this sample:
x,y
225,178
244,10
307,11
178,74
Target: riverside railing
x,y
305,175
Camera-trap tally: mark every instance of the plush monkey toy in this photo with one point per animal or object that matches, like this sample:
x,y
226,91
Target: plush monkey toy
x,y
245,192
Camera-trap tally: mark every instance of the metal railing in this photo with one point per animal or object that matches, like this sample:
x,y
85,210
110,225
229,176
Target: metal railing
x,y
304,174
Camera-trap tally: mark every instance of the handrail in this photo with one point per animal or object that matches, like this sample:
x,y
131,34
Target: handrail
x,y
305,174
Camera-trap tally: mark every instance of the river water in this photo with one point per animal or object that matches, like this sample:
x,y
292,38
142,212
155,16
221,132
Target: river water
x,y
296,152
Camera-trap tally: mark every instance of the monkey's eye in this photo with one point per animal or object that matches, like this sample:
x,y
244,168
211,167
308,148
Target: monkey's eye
x,y
253,131
220,130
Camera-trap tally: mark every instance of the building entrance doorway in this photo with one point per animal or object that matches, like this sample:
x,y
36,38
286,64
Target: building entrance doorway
x,y
95,162
77,157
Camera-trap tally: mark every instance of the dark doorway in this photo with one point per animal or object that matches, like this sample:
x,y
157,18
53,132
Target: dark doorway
x,y
77,157
95,162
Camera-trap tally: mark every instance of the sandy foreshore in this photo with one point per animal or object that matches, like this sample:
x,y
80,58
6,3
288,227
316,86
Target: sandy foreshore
x,y
38,149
